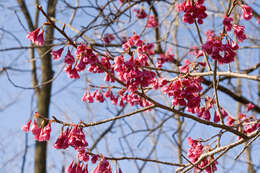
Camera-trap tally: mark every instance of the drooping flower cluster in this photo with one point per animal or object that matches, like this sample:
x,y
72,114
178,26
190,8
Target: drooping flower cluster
x,y
195,151
223,53
244,123
239,32
40,133
74,137
36,37
194,11
185,92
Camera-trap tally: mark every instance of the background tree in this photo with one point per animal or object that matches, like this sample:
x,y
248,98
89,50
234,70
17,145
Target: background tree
x,y
42,90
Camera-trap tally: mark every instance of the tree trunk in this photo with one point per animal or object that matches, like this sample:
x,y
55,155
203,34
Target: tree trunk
x,y
43,91
44,97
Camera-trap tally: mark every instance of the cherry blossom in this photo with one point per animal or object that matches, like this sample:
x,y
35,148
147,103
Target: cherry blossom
x,y
26,127
247,11
56,54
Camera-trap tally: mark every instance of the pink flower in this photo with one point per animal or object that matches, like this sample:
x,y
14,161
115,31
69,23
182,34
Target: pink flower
x,y
94,159
69,59
103,167
227,23
247,12
217,117
77,138
108,93
195,151
258,20
185,67
72,168
163,58
250,106
234,45
26,127
56,54
108,38
83,155
151,22
193,11
85,170
35,37
36,130
140,13
32,36
239,32
84,97
40,40
99,97
45,133
230,121
72,73
62,141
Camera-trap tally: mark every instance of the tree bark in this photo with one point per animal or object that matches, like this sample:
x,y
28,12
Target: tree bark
x,y
43,101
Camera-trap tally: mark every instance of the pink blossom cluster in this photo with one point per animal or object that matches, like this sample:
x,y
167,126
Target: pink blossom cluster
x,y
40,133
238,29
204,111
36,37
84,56
102,167
195,151
223,53
246,124
130,71
71,137
193,11
75,138
121,97
239,32
185,92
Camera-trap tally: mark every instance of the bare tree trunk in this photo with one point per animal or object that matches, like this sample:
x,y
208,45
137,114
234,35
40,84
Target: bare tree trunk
x,y
44,91
44,97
